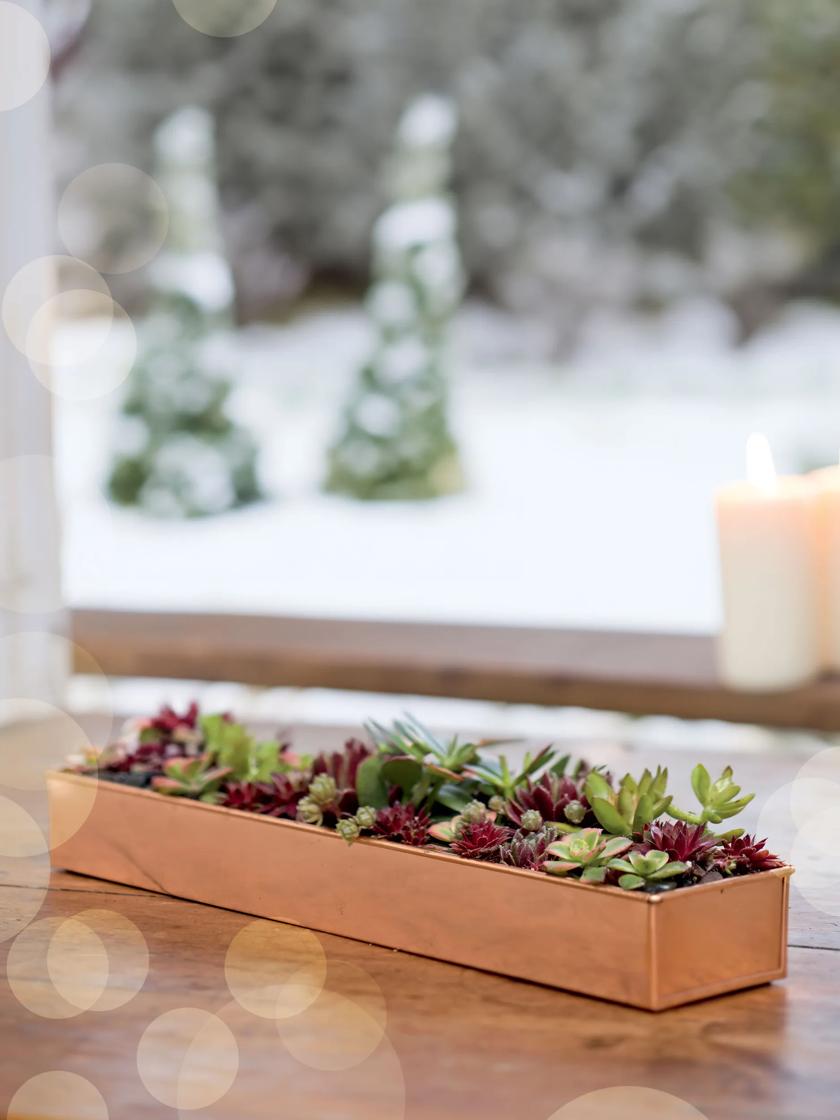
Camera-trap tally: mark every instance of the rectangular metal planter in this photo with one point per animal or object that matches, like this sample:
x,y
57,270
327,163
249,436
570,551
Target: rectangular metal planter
x,y
649,951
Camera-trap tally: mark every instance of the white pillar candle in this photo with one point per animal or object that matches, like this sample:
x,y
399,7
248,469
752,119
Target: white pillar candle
x,y
767,530
827,486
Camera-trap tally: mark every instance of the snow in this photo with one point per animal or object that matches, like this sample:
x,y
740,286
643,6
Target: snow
x,y
590,483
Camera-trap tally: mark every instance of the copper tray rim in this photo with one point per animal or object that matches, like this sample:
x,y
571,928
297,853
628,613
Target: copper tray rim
x,y
636,897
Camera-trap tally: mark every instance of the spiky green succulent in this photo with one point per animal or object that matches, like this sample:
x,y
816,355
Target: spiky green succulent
x,y
646,869
718,800
498,779
589,851
626,811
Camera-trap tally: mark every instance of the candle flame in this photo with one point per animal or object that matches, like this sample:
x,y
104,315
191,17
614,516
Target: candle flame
x,y
761,470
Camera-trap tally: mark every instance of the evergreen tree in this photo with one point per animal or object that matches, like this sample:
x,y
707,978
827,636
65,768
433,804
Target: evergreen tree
x,y
179,452
396,442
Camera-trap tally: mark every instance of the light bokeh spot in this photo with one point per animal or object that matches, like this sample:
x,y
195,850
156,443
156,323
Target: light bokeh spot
x,y
20,835
97,960
37,283
33,659
275,971
114,216
814,855
187,1058
628,1102
95,359
24,56
57,968
35,737
224,19
345,1024
57,1095
816,787
128,956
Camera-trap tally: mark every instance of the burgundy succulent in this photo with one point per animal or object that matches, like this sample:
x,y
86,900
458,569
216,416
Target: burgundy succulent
x,y
403,823
684,843
527,850
145,758
343,765
745,854
481,840
168,723
278,797
555,797
157,740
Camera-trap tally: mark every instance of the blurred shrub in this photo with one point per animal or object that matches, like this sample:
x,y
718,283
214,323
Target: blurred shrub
x,y
599,138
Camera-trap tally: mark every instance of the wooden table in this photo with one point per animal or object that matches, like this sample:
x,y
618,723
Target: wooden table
x,y
456,1043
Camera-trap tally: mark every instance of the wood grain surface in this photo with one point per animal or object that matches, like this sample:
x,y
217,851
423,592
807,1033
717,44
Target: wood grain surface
x,y
665,674
395,1036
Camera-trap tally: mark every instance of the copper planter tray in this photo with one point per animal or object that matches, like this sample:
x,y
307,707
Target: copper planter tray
x,y
649,951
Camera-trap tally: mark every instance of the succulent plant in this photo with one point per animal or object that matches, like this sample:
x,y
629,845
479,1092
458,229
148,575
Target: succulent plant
x,y
683,842
309,811
348,829
498,780
405,824
411,777
168,726
278,797
323,790
449,830
531,821
191,777
342,766
231,744
588,850
366,816
646,869
481,840
718,800
331,795
527,850
634,805
351,828
745,854
556,797
409,737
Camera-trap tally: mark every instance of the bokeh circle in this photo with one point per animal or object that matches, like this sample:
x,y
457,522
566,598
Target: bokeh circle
x,y
24,56
629,1102
57,1095
814,855
98,960
224,19
114,216
95,359
21,836
275,971
36,283
43,737
187,1058
344,1025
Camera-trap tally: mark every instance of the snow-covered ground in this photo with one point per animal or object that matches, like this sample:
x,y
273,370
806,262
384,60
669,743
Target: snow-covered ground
x,y
591,482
